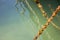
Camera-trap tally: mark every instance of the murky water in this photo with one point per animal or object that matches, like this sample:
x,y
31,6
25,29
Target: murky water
x,y
24,21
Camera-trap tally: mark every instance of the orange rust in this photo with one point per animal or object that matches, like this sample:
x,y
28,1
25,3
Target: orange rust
x,y
47,23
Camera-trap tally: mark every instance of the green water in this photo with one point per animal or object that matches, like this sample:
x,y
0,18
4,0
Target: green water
x,y
23,24
14,26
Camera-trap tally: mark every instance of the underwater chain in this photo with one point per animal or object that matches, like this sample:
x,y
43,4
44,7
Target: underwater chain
x,y
49,19
45,14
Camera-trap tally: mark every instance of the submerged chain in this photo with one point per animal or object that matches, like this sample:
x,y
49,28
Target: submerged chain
x,y
48,21
44,13
56,16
